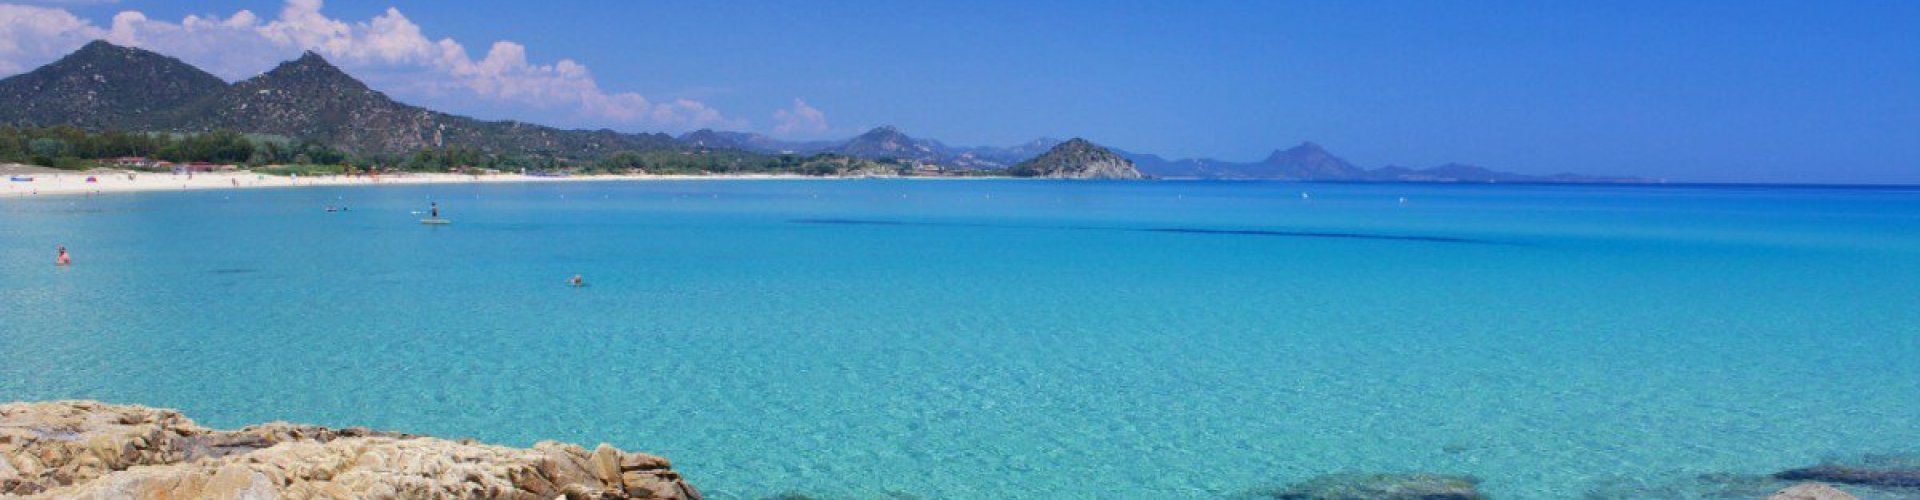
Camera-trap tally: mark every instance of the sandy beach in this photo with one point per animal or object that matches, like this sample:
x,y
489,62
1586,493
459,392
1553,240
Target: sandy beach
x,y
26,181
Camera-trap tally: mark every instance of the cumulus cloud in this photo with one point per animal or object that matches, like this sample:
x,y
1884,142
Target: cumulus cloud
x,y
800,120
389,49
30,36
67,2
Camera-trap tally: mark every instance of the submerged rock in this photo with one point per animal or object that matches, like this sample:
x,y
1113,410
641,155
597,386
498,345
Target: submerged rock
x,y
1891,477
1714,485
1811,491
81,449
1381,487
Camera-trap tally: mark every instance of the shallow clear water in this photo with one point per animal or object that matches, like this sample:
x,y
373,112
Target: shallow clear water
x,y
1007,338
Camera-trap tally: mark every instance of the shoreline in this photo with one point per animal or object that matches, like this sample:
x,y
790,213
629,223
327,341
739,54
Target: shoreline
x,y
75,183
89,449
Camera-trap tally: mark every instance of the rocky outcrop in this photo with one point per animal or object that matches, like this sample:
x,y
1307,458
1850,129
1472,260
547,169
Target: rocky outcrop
x,y
1811,491
1078,159
82,449
1380,487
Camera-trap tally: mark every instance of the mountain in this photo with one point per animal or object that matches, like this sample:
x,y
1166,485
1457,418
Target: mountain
x,y
1311,162
103,85
1188,168
998,157
752,142
1456,172
1307,161
890,142
880,143
311,98
1078,159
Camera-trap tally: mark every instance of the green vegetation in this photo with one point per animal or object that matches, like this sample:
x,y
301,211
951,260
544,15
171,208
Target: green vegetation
x,y
727,161
72,148
308,170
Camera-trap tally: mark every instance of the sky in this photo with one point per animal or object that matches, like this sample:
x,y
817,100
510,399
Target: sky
x,y
1701,91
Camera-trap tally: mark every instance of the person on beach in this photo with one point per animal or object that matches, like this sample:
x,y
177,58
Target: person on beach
x,y
63,259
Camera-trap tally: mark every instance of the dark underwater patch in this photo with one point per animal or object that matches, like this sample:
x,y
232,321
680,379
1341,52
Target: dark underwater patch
x,y
1174,230
1313,234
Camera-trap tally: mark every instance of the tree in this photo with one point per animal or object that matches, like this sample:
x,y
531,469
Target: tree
x,y
48,147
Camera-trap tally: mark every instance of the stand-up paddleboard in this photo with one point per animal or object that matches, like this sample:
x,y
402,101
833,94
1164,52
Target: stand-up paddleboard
x,y
435,222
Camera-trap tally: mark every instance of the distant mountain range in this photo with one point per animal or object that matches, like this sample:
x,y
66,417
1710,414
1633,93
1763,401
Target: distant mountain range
x,y
105,86
1310,162
881,142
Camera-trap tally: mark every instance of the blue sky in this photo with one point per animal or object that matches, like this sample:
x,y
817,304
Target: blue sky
x,y
1686,91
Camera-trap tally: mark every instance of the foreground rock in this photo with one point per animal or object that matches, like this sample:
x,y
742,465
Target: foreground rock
x,y
1380,487
80,449
1811,491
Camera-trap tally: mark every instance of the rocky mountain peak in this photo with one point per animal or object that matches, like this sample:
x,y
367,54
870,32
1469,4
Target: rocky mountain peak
x,y
103,85
889,142
883,134
1310,161
1305,150
310,69
103,48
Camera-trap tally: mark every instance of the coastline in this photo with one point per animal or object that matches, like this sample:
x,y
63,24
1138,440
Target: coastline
x,y
105,182
88,449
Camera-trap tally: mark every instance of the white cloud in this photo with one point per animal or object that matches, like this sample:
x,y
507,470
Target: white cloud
x,y
389,48
30,36
66,2
800,120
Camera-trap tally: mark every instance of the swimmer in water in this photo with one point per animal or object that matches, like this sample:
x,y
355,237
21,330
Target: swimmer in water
x,y
63,259
577,281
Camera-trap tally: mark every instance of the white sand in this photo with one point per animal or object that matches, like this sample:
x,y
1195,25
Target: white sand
x,y
69,183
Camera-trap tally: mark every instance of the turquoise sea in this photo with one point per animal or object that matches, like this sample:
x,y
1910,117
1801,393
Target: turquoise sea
x,y
943,339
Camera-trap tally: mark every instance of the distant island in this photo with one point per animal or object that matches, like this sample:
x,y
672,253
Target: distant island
x,y
109,105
